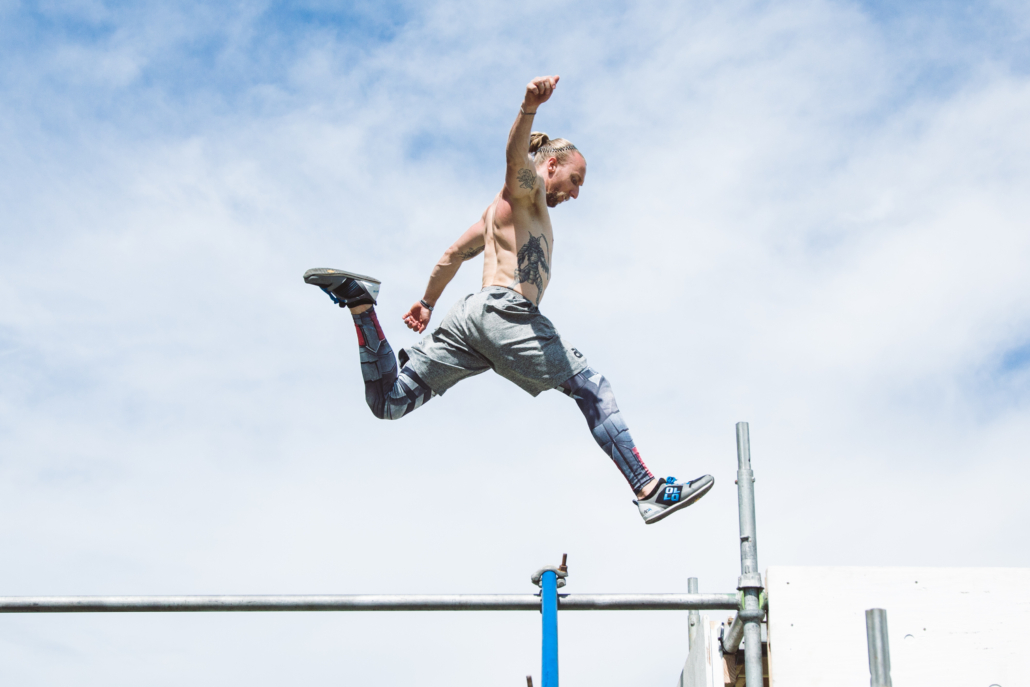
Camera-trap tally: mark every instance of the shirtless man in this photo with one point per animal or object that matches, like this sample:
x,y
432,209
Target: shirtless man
x,y
501,327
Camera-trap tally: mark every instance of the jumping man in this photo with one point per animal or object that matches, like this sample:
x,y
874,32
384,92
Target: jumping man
x,y
501,327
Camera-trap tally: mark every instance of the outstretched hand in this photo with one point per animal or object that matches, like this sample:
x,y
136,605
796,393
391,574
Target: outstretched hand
x,y
418,317
538,91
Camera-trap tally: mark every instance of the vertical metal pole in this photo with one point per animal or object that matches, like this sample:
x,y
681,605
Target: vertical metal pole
x,y
750,582
693,618
549,613
879,648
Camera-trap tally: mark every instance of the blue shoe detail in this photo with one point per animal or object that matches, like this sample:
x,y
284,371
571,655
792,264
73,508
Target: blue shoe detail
x,y
346,289
331,295
670,497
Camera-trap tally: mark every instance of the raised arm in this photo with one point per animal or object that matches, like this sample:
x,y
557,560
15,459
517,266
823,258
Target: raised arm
x,y
468,246
520,179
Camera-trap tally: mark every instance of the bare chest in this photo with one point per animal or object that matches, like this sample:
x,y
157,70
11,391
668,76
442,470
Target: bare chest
x,y
517,226
524,244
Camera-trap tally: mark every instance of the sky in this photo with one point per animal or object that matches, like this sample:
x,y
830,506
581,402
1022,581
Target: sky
x,y
806,215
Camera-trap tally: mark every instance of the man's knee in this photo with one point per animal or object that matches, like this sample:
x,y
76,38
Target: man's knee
x,y
593,394
389,408
376,403
408,393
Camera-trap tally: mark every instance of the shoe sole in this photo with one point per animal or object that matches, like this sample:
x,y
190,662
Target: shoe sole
x,y
690,500
312,275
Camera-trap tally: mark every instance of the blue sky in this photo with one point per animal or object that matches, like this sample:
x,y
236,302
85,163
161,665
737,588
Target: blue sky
x,y
175,67
808,215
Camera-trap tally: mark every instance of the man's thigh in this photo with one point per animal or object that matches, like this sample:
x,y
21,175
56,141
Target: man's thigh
x,y
523,346
444,357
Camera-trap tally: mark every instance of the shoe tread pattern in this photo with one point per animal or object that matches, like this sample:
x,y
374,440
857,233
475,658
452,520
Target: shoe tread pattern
x,y
335,273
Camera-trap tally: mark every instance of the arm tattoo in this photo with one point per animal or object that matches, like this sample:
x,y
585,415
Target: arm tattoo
x,y
532,260
527,178
470,253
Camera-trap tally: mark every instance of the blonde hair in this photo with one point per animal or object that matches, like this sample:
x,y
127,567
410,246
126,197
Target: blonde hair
x,y
558,148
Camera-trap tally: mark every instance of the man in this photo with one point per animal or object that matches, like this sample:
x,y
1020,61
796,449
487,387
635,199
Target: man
x,y
501,328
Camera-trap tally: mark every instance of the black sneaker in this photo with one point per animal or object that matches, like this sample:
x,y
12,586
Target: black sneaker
x,y
669,497
345,288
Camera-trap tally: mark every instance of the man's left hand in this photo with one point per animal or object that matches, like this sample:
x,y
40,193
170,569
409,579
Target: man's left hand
x,y
417,318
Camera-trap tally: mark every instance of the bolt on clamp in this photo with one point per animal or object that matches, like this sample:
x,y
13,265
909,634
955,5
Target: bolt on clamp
x,y
560,571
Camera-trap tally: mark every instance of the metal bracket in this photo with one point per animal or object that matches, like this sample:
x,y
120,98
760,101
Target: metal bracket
x,y
750,581
553,568
560,571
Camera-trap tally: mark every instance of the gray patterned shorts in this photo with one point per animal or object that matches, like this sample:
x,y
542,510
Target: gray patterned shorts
x,y
496,329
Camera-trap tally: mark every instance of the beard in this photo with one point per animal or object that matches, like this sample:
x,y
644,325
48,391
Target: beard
x,y
555,198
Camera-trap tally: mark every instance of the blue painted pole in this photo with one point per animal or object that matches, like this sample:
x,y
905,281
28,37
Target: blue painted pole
x,y
549,614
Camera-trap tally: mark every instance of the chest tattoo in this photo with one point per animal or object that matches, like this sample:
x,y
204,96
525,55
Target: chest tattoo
x,y
532,264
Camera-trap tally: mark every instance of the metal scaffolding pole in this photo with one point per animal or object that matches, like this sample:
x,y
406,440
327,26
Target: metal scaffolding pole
x,y
366,602
693,618
879,647
549,621
750,582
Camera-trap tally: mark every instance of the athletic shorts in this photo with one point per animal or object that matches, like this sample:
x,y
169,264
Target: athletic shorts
x,y
496,329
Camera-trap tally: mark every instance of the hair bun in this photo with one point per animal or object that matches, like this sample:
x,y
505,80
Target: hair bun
x,y
537,140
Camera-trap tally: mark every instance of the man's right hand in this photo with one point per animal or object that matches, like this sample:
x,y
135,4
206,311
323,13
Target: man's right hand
x,y
538,91
418,317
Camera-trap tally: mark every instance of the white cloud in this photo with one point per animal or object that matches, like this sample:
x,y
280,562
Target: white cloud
x,y
780,224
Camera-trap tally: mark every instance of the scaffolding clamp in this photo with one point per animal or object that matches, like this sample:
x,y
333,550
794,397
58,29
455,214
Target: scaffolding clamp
x,y
750,581
560,571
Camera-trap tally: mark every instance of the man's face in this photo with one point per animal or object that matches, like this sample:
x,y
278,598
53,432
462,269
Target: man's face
x,y
563,181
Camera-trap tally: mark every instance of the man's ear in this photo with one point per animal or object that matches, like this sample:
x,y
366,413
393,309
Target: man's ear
x,y
552,165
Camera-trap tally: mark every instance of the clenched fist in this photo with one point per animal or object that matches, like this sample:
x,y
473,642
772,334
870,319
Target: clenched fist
x,y
538,91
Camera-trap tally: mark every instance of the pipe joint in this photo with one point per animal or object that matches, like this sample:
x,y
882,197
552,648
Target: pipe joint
x,y
753,615
750,581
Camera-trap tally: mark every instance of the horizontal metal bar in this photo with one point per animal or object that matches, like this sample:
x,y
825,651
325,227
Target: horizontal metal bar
x,y
648,602
365,602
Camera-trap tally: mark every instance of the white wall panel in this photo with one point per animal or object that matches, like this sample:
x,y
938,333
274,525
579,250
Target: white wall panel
x,y
947,626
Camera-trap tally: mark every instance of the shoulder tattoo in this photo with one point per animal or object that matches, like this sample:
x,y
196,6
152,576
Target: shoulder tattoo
x,y
527,178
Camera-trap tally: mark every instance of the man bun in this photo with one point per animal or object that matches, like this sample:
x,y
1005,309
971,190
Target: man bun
x,y
542,147
537,139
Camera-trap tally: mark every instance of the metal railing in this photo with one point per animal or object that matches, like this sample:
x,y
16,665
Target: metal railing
x,y
363,602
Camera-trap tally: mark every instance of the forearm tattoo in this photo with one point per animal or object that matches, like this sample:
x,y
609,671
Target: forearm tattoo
x,y
527,178
532,264
470,253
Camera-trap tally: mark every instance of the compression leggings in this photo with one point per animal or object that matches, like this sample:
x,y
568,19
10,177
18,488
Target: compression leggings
x,y
390,394
593,394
